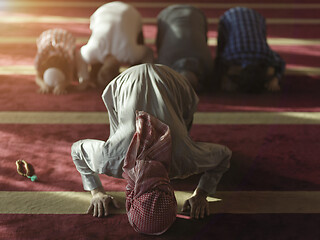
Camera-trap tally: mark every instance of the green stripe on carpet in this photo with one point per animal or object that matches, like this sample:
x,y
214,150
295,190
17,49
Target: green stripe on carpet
x,y
245,202
199,118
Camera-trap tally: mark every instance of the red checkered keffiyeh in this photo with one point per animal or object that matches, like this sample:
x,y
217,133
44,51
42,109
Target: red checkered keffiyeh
x,y
56,48
151,204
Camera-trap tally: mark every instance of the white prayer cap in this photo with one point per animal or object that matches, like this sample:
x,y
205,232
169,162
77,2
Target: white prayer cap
x,y
53,76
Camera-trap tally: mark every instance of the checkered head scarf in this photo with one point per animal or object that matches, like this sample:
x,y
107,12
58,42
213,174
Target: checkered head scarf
x,y
151,205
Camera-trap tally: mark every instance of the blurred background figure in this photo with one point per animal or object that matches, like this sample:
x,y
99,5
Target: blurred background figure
x,y
182,43
244,61
58,62
116,39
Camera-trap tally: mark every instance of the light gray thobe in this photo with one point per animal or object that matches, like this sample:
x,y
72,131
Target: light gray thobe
x,y
167,95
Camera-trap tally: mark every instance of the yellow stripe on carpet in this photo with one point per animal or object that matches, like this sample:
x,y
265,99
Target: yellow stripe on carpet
x,y
30,70
234,118
95,4
17,69
62,202
80,40
274,41
79,20
211,41
245,202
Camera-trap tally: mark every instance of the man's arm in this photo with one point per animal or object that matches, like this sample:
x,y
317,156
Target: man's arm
x,y
197,204
99,205
86,155
43,87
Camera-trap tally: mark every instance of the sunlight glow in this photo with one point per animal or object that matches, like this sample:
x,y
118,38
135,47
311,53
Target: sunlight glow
x,y
42,19
81,4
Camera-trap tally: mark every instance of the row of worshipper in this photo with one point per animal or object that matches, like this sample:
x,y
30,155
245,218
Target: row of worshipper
x,y
243,60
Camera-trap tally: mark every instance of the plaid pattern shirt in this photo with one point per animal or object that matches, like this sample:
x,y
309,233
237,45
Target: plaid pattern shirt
x,y
56,43
242,40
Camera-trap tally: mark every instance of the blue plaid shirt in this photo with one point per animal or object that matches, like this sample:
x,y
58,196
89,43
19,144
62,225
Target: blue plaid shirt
x,y
242,40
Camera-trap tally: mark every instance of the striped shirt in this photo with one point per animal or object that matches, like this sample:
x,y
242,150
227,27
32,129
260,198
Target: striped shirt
x,y
242,40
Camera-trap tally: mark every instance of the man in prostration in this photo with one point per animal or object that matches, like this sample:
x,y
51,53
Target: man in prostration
x,y
58,63
182,43
244,60
156,92
116,39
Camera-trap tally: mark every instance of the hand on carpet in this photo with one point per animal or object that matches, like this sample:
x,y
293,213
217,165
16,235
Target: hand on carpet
x,y
197,205
59,90
44,89
99,205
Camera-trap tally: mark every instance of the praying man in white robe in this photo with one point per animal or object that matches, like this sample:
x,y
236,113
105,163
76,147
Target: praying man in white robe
x,y
168,96
116,39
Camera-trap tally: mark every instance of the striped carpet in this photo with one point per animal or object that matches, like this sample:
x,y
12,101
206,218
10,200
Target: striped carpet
x,y
240,202
272,190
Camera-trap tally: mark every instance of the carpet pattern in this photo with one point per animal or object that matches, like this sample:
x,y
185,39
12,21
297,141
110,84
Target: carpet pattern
x,y
274,137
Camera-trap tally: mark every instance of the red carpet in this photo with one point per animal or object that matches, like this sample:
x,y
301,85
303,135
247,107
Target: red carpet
x,y
295,55
300,93
266,157
219,226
